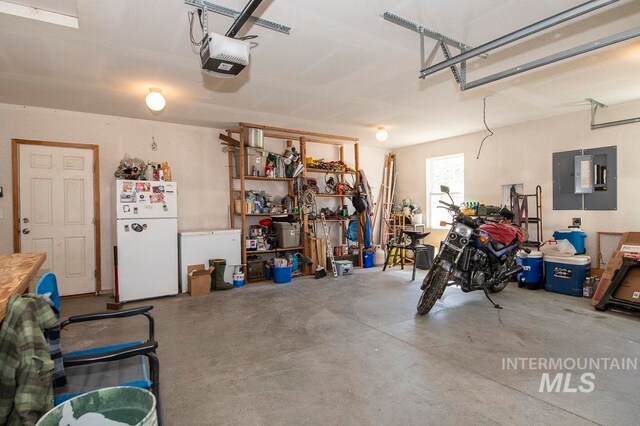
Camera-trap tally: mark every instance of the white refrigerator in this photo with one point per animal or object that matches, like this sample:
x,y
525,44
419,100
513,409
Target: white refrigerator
x,y
147,238
196,247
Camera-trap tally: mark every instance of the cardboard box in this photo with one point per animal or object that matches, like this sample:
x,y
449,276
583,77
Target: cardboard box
x,y
199,279
628,238
629,289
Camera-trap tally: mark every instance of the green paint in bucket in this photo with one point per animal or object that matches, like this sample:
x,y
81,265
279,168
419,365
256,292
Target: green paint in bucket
x,y
115,406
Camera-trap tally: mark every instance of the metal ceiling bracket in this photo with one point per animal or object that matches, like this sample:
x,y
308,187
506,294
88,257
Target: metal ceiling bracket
x,y
206,6
594,109
447,54
585,48
443,43
518,34
405,23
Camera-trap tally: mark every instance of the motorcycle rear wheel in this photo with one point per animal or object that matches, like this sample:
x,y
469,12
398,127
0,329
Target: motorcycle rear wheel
x,y
433,291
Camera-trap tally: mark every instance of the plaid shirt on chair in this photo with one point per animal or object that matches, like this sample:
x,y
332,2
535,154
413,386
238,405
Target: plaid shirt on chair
x,y
26,391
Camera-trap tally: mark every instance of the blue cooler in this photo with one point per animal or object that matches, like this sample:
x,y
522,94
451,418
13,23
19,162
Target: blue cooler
x,y
532,264
575,236
566,275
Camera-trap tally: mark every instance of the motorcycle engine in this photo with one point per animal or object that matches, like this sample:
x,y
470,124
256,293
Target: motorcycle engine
x,y
479,278
481,270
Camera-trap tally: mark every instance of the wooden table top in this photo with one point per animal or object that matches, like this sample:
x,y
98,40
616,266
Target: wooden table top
x,y
16,272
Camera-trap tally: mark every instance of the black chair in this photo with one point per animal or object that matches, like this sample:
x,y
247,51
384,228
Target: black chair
x,y
408,241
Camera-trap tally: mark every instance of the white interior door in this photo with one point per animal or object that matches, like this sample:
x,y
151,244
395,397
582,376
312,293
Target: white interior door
x,y
56,213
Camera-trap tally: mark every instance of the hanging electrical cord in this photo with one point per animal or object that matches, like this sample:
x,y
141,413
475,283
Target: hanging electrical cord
x,y
191,16
484,119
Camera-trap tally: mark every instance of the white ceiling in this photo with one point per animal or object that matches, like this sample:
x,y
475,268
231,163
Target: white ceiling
x,y
343,69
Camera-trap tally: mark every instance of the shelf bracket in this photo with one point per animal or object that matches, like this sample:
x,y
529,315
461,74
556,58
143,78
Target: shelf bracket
x,y
594,109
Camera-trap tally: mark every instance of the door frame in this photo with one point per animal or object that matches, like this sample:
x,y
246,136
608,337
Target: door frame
x,y
15,178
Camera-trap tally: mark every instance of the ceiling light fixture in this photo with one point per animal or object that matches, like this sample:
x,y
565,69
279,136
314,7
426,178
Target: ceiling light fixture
x,y
382,134
155,101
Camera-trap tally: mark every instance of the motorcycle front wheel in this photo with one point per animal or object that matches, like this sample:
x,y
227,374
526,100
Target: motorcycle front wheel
x,y
433,290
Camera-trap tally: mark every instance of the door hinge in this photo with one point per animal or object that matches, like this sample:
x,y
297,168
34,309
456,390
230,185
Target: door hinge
x,y
95,273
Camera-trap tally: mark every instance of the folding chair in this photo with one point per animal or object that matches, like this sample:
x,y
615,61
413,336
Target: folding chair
x,y
124,364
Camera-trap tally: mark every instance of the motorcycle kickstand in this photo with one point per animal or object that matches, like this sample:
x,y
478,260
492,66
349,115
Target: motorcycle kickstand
x,y
486,293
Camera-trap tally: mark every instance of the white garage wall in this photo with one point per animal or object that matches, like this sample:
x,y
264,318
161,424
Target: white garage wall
x,y
194,153
522,154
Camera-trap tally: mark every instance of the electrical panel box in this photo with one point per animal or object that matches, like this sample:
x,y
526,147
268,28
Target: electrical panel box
x,y
564,196
585,179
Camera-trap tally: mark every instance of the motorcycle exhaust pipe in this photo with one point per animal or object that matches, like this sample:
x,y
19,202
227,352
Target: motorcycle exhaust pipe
x,y
511,272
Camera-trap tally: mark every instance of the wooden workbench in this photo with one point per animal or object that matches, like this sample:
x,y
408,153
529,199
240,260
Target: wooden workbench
x,y
16,272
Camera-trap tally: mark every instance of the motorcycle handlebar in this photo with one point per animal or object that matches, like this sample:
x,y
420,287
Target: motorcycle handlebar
x,y
449,205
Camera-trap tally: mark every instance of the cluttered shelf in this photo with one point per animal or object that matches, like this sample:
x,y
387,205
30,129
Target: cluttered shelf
x,y
265,214
331,195
277,250
314,170
267,178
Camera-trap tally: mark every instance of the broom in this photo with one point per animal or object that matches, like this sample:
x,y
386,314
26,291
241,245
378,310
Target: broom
x,y
320,272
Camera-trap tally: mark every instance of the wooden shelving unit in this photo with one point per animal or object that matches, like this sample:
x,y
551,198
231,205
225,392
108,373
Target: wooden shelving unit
x,y
289,136
341,179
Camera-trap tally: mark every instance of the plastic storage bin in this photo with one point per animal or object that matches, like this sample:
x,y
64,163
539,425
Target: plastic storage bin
x,y
344,267
281,274
575,236
532,263
288,234
256,269
566,275
424,256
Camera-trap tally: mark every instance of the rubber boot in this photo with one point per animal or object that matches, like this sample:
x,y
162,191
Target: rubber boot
x,y
217,277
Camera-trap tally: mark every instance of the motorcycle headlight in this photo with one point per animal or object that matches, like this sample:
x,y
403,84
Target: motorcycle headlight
x,y
462,230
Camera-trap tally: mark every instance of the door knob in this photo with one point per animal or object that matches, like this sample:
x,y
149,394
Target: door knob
x,y
25,231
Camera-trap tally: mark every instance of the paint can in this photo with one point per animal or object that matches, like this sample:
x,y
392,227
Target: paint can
x,y
238,279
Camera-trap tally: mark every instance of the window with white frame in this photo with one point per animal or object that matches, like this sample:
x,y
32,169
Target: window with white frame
x,y
449,171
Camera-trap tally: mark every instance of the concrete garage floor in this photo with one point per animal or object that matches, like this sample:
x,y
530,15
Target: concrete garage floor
x,y
352,351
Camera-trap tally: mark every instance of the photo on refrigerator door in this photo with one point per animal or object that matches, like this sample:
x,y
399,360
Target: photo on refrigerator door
x,y
157,198
142,187
127,197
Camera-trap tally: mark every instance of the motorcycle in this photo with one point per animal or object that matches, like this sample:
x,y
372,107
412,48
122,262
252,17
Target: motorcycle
x,y
471,256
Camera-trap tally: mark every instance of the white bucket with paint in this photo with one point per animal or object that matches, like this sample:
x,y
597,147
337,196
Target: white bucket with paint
x,y
114,406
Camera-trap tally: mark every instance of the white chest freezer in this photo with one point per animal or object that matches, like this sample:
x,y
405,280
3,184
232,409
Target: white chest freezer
x,y
195,247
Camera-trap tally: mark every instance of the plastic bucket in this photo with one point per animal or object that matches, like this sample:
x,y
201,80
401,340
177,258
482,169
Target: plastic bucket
x,y
123,404
282,274
368,259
